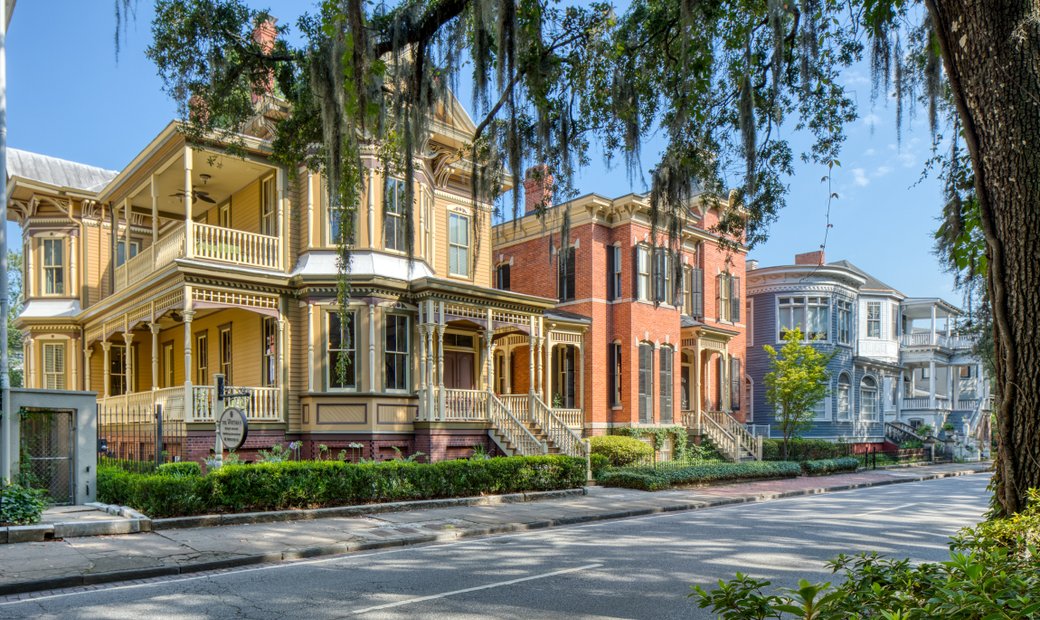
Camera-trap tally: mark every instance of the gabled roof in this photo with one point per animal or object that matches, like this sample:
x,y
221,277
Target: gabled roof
x,y
60,173
872,283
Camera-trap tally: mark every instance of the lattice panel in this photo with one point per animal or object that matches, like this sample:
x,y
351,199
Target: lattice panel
x,y
234,298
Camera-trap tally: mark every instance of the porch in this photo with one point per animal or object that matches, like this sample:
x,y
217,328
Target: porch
x,y
470,371
199,205
188,335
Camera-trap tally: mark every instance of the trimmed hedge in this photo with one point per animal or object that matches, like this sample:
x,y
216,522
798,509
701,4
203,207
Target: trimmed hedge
x,y
183,468
802,449
313,484
830,466
651,479
620,450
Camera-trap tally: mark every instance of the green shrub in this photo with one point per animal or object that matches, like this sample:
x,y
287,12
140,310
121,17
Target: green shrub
x,y
183,468
310,484
799,449
619,450
993,572
829,466
651,479
21,505
599,463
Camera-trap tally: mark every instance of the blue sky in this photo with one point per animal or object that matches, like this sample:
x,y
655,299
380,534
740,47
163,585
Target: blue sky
x,y
69,97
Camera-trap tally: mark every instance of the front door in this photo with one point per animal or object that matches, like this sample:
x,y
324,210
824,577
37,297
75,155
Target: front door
x,y
458,370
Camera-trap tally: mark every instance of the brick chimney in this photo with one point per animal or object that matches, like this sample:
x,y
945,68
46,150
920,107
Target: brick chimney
x,y
265,34
809,258
538,188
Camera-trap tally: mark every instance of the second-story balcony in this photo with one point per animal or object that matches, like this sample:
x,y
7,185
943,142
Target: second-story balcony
x,y
953,342
191,203
208,243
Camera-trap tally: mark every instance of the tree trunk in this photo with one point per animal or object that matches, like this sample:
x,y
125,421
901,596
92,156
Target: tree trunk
x,y
991,52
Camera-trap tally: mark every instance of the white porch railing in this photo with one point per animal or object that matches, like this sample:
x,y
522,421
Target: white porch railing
x,y
926,339
236,246
150,259
261,405
518,404
465,404
925,403
574,418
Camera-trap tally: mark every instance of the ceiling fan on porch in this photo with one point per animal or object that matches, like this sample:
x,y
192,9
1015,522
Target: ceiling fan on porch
x,y
196,193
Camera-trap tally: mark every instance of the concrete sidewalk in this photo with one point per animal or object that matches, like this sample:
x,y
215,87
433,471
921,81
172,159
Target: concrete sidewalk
x,y
83,562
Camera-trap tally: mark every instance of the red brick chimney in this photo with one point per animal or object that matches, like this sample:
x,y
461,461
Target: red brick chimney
x,y
538,188
265,34
809,258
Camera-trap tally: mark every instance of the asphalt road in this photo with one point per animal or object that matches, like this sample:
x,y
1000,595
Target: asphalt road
x,y
631,568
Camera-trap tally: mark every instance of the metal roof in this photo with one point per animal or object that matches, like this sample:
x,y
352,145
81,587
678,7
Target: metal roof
x,y
57,172
871,283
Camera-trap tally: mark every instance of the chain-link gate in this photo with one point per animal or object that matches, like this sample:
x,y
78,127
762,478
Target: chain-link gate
x,y
48,453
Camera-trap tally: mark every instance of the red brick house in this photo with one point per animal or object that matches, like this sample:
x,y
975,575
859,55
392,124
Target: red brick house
x,y
665,341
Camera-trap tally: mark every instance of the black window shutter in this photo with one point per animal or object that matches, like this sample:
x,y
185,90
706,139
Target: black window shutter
x,y
734,299
611,295
697,293
611,386
720,281
734,392
677,282
571,259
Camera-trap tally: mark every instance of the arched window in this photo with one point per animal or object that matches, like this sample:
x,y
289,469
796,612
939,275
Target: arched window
x,y
844,397
868,399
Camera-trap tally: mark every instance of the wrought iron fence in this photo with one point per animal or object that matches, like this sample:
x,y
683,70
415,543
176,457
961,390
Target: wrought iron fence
x,y
140,438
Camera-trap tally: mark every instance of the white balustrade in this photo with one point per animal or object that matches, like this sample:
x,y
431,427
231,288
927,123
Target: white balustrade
x,y
558,432
740,441
465,404
518,404
150,259
512,429
917,403
236,246
573,418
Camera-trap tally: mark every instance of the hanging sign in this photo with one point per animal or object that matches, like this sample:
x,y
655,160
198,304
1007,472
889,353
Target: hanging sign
x,y
233,428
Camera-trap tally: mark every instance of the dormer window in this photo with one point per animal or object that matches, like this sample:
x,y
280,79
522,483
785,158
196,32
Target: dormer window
x,y
54,266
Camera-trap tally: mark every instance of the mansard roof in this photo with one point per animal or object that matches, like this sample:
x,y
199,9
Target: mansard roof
x,y
60,173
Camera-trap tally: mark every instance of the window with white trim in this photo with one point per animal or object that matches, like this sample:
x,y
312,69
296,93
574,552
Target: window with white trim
x,y
118,383
201,356
791,312
54,266
395,352
54,365
270,351
810,314
393,215
268,207
868,399
458,245
844,398
225,353
642,273
873,319
224,215
341,348
843,312
820,409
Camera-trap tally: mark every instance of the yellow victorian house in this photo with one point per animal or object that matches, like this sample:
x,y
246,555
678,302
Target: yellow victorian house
x,y
143,284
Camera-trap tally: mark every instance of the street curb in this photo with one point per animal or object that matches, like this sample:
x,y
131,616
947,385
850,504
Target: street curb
x,y
247,518
132,522
474,532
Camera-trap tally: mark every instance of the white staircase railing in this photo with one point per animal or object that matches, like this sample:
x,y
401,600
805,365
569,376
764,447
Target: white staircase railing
x,y
517,404
513,431
738,441
559,433
574,418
